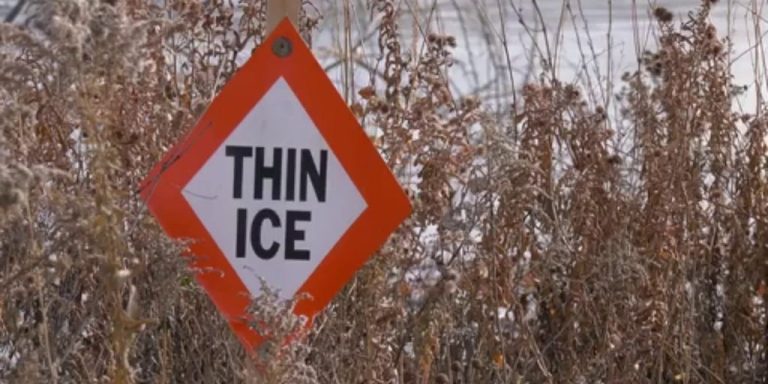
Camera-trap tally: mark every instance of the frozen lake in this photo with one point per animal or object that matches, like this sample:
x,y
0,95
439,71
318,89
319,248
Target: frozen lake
x,y
607,35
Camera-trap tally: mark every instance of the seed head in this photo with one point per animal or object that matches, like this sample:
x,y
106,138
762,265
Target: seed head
x,y
663,15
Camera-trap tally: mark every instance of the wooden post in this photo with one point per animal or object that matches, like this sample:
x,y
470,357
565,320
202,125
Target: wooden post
x,y
277,10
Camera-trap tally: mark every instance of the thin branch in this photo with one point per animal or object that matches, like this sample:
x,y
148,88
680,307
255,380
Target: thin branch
x,y
15,11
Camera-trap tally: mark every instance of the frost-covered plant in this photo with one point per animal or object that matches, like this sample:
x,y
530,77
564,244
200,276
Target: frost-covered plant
x,y
550,242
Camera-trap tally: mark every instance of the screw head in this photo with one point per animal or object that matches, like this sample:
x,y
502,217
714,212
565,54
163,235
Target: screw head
x,y
282,47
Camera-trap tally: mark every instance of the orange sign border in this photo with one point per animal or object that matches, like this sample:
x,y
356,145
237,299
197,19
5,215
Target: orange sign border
x,y
387,203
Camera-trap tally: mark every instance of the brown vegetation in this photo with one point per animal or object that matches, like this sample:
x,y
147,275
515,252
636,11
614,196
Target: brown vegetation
x,y
551,250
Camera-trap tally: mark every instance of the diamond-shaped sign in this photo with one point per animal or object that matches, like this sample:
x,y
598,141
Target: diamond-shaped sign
x,y
278,183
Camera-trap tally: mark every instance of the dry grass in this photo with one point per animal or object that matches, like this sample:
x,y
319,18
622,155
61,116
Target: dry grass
x,y
541,250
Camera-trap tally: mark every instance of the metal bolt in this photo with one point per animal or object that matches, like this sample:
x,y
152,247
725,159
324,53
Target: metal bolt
x,y
282,47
